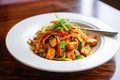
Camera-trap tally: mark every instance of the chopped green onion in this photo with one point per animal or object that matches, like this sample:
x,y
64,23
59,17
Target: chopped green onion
x,y
80,57
61,21
62,44
81,42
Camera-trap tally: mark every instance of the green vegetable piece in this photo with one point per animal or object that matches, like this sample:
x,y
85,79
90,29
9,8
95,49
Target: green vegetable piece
x,y
81,42
61,21
56,26
41,54
79,47
62,44
80,57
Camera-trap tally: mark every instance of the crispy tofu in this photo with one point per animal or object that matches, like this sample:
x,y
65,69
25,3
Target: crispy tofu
x,y
53,42
91,41
72,45
85,51
70,54
50,53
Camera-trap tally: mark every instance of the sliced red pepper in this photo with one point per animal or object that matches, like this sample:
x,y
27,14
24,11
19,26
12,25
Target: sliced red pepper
x,y
59,34
64,33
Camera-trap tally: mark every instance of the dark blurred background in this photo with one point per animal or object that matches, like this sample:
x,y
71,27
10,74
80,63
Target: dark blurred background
x,y
113,3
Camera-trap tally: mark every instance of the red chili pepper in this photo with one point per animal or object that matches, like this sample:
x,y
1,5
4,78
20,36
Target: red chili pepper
x,y
64,33
69,50
59,34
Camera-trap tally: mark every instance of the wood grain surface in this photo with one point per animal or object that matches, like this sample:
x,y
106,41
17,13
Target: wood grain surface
x,y
11,69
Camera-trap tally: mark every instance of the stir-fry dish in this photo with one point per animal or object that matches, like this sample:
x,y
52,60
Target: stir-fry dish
x,y
62,40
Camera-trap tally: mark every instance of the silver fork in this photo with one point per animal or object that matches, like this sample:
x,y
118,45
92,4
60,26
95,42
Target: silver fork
x,y
109,33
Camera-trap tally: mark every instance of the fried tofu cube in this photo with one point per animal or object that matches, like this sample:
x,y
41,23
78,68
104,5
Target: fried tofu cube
x,y
72,45
91,41
70,54
50,53
53,42
85,51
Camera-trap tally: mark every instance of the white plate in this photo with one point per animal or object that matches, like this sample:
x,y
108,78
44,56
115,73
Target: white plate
x,y
16,42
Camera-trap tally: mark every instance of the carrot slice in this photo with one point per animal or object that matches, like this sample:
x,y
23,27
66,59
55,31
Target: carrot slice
x,y
68,36
44,41
37,46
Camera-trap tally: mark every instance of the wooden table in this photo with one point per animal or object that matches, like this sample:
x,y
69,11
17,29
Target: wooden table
x,y
11,69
